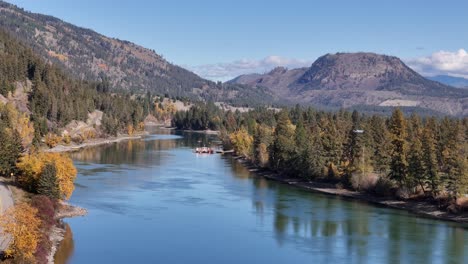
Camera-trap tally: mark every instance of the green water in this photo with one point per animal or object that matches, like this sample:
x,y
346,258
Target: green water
x,y
154,201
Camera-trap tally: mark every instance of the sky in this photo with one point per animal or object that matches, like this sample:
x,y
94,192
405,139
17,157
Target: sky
x,y
222,39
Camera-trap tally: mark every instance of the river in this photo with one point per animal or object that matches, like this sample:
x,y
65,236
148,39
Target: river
x,y
154,201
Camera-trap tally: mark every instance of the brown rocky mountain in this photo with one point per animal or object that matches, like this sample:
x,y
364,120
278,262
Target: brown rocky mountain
x,y
360,79
127,66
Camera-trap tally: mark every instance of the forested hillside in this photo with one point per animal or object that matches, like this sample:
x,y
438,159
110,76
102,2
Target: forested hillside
x,y
40,99
90,56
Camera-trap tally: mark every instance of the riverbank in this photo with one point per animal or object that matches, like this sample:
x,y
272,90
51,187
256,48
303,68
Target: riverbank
x,y
419,207
94,142
57,233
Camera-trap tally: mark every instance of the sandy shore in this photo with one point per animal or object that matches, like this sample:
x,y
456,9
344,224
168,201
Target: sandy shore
x,y
419,207
92,143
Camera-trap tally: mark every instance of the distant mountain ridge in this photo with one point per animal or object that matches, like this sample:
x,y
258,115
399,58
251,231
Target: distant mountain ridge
x,y
91,56
356,79
458,82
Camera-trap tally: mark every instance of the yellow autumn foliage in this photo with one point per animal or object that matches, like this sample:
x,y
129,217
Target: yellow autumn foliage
x,y
22,224
242,142
66,139
165,110
52,140
140,127
130,130
21,123
32,166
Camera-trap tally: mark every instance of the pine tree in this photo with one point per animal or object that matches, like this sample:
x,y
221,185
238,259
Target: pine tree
x,y
380,144
314,158
48,183
282,149
456,161
431,174
10,150
416,172
300,138
399,163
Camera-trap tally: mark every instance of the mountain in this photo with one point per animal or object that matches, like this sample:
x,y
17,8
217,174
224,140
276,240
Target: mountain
x,y
357,80
127,66
458,82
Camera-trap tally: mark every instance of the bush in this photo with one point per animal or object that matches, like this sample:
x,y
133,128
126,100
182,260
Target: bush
x,y
66,139
52,140
384,187
46,210
364,182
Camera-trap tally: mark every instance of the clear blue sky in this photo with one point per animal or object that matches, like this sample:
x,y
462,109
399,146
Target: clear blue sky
x,y
212,31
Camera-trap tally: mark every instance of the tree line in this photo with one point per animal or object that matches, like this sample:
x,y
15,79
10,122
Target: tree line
x,y
407,156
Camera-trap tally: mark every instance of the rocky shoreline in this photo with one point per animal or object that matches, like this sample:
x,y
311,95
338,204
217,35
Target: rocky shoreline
x,y
419,207
57,233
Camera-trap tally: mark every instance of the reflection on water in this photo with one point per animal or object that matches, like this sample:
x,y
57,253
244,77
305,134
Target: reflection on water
x,y
155,198
66,247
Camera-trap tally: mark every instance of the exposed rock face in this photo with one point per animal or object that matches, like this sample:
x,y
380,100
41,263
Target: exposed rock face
x,y
360,79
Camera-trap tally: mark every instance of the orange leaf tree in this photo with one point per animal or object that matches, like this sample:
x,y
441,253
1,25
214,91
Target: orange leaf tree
x,y
22,224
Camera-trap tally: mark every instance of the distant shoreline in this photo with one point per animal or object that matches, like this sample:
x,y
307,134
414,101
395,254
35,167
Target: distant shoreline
x,y
93,143
418,207
207,132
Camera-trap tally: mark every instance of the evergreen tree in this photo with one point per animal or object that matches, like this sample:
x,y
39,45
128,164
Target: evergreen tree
x,y
10,150
456,161
431,174
48,183
282,149
399,163
416,171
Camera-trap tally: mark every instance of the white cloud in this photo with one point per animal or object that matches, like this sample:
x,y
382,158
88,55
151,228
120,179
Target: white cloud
x,y
442,62
230,70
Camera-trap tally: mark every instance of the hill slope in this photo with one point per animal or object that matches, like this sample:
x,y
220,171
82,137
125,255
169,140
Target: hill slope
x,y
360,79
91,56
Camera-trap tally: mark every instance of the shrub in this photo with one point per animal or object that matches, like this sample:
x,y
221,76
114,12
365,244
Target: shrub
x,y
66,139
364,181
23,224
384,187
52,140
46,212
46,209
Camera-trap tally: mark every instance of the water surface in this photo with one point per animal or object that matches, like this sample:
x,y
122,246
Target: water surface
x,y
154,201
